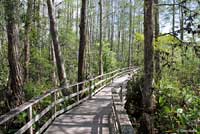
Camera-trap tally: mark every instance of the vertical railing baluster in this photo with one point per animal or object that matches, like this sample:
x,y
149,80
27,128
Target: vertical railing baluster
x,y
54,99
120,93
30,117
112,76
90,89
77,90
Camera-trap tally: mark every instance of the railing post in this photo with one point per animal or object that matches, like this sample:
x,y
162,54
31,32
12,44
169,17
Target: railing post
x,y
112,74
90,89
120,93
77,90
30,117
54,98
106,79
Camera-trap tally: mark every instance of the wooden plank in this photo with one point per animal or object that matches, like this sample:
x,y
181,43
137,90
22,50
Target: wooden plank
x,y
30,117
77,96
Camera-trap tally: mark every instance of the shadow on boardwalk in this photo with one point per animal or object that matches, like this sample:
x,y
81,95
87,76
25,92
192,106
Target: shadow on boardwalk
x,y
91,117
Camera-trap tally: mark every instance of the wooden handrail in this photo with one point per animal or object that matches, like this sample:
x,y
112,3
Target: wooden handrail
x,y
29,105
121,121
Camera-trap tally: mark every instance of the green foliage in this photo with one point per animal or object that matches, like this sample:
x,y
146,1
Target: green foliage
x,y
139,38
134,96
177,107
32,89
109,58
138,49
110,61
3,77
165,42
39,62
178,94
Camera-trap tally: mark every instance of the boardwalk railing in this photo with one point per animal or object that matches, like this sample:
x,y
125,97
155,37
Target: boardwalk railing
x,y
121,122
56,103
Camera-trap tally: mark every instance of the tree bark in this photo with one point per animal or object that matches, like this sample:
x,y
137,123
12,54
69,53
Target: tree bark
x,y
77,18
146,122
82,44
119,34
100,41
122,42
130,34
173,23
112,26
157,52
182,32
54,34
53,60
15,94
27,40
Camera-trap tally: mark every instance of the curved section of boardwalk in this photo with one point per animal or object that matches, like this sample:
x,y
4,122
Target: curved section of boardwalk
x,y
90,117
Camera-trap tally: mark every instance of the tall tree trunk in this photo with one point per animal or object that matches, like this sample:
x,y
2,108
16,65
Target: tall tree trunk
x,y
182,32
118,42
15,93
123,43
133,38
101,44
146,122
53,60
181,23
173,23
37,27
77,17
112,27
130,33
82,44
157,52
119,35
54,34
27,40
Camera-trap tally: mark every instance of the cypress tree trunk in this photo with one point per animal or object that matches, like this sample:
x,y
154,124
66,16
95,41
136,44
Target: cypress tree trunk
x,y
53,60
27,40
173,24
130,34
77,11
146,122
157,52
101,44
119,34
182,32
54,34
15,95
112,26
82,44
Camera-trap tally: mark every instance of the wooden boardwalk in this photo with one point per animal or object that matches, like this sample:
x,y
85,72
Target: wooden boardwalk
x,y
90,117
